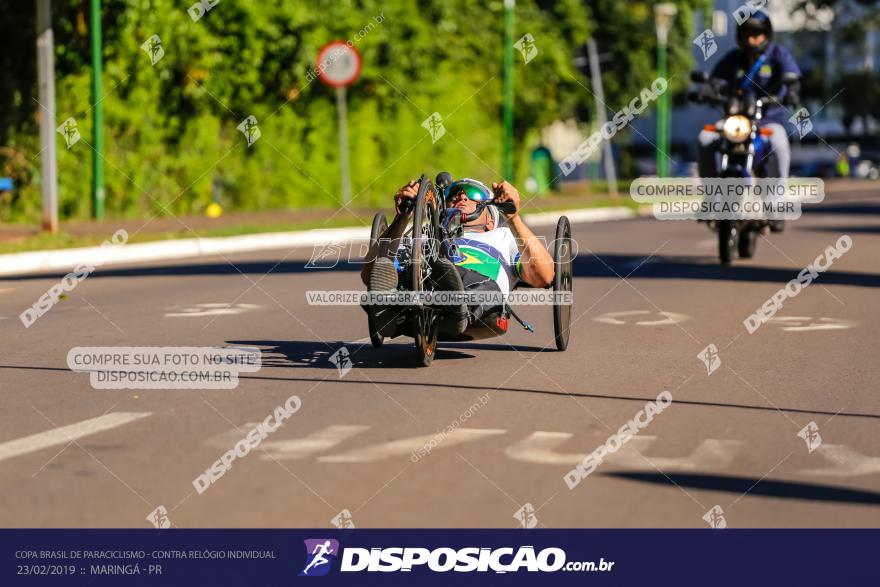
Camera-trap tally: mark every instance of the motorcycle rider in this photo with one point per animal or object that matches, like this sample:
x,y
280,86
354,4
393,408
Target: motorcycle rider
x,y
757,67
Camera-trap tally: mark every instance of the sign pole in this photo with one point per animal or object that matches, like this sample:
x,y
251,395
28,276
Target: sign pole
x,y
338,66
342,111
602,117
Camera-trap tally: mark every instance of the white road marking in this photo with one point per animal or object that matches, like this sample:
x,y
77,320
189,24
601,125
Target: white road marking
x,y
406,446
807,324
539,447
316,442
65,434
214,309
666,318
845,462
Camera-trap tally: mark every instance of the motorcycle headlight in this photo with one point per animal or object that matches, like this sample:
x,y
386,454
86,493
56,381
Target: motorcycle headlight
x,y
737,128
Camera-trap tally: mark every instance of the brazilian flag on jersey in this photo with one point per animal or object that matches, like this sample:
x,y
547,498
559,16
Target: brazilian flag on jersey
x,y
478,260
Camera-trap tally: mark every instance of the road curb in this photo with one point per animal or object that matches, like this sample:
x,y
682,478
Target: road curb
x,y
67,259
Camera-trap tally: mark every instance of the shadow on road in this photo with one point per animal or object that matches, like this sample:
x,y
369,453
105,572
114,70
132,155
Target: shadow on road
x,y
754,486
406,361
702,268
844,229
315,354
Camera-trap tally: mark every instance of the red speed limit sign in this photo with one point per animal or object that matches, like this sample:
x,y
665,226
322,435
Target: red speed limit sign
x,y
339,64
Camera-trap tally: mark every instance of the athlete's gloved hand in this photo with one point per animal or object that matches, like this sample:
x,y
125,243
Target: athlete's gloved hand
x,y
506,199
404,198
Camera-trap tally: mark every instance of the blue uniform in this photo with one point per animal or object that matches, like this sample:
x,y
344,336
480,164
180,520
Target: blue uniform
x,y
762,78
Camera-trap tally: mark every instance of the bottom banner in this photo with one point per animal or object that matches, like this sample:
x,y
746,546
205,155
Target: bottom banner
x,y
354,557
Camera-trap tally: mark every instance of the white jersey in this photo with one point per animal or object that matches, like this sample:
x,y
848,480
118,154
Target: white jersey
x,y
493,254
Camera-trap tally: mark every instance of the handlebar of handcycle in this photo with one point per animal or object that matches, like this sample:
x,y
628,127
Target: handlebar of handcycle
x,y
505,207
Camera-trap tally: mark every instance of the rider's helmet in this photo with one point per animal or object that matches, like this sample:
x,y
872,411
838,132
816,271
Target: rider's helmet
x,y
756,24
473,190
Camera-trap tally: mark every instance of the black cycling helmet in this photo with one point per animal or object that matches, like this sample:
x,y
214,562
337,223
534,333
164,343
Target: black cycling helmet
x,y
756,24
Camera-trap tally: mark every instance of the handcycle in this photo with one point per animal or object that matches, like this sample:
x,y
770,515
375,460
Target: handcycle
x,y
432,233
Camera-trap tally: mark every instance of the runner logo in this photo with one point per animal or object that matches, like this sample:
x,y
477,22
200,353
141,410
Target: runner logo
x,y
159,518
320,554
153,48
527,47
710,358
801,119
715,518
343,520
250,130
526,516
342,360
810,434
69,131
706,42
434,125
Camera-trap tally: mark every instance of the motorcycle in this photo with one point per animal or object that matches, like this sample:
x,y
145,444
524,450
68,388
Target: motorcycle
x,y
744,146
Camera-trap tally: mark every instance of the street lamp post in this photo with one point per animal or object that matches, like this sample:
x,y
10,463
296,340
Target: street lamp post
x,y
664,13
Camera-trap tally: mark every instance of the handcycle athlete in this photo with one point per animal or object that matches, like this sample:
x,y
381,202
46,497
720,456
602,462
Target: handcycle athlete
x,y
493,249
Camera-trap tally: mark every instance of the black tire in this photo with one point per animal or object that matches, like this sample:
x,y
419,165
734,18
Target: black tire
x,y
380,223
726,241
425,233
748,240
562,282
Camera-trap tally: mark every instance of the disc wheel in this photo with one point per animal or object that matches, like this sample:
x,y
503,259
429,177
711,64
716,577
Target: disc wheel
x,y
747,242
727,241
562,282
425,248
380,223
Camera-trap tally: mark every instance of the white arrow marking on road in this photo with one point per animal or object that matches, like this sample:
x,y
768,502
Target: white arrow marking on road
x,y
65,434
846,462
220,309
796,323
667,318
406,446
313,443
539,447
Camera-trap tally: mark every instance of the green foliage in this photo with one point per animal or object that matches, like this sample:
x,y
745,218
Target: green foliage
x,y
171,143
625,31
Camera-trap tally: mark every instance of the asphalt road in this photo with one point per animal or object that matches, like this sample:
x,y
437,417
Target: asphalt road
x,y
508,417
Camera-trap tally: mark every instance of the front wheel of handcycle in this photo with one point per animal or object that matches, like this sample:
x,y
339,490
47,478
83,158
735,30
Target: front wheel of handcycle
x,y
425,248
562,283
380,223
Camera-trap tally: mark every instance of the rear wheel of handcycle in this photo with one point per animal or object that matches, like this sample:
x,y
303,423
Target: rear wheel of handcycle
x,y
562,283
727,237
748,239
425,248
379,225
